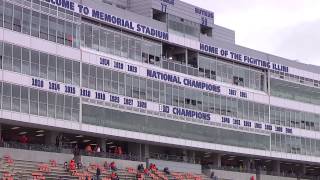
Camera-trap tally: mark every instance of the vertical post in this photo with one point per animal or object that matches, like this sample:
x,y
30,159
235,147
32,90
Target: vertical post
x,y
276,167
217,160
102,144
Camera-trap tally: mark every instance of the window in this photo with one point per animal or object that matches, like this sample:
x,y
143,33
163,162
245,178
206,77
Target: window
x,y
68,34
7,59
52,29
52,69
60,31
43,65
35,24
8,14
44,27
16,59
17,24
26,21
35,63
1,13
25,61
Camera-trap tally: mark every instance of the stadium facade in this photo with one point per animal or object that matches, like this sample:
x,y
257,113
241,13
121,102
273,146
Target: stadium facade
x,y
157,77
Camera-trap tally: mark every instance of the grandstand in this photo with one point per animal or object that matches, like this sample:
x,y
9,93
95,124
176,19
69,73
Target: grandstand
x,y
152,83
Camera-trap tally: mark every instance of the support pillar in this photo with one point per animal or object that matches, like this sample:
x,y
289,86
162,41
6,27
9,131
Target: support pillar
x,y
247,163
185,155
102,144
193,156
0,132
146,151
276,167
50,138
217,160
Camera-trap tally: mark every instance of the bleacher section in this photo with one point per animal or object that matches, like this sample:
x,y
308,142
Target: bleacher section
x,y
12,169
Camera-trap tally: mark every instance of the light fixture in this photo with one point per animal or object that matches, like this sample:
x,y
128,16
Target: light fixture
x,y
79,136
16,127
73,142
86,140
40,135
109,143
40,131
112,146
22,133
93,144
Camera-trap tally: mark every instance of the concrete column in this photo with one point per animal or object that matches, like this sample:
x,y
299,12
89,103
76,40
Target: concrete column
x,y
185,155
302,170
276,167
247,163
146,151
50,137
193,156
217,160
0,131
102,144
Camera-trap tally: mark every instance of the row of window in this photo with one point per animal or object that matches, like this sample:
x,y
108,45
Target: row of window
x,y
39,25
183,26
152,125
294,91
141,88
292,118
295,145
120,44
232,73
37,102
38,64
295,78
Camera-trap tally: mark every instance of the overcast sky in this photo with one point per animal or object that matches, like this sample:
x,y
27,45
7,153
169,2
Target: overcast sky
x,y
287,28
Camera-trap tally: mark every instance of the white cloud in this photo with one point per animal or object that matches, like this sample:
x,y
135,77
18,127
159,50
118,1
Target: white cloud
x,y
287,28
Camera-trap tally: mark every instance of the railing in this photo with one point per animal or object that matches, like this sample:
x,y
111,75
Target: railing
x,y
175,158
254,171
38,147
68,150
130,157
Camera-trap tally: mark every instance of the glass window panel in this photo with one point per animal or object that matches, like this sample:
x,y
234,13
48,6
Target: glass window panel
x,y
26,21
68,34
17,18
68,71
44,26
43,65
7,61
88,36
35,23
60,69
35,63
95,38
103,40
34,99
110,42
8,14
25,61
1,12
16,59
52,29
60,31
76,73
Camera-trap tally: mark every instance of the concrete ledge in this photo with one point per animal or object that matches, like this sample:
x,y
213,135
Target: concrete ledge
x,y
60,158
176,166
